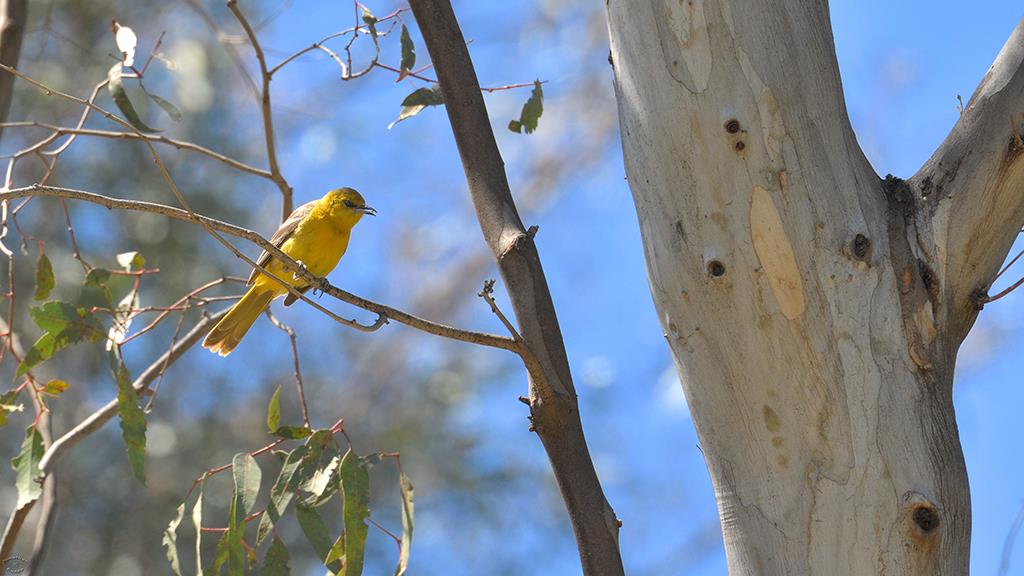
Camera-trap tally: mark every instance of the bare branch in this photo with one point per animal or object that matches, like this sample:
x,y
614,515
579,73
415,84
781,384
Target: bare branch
x,y
384,313
267,112
553,399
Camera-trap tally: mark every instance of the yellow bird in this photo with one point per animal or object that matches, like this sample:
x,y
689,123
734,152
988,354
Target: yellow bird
x,y
316,235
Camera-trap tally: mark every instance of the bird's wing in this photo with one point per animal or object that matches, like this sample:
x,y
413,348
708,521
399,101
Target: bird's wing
x,y
283,233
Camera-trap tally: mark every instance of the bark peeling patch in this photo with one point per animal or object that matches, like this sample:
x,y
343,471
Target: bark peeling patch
x,y
775,253
683,31
774,130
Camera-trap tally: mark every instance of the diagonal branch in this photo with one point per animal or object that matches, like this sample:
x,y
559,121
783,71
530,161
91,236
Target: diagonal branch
x,y
552,397
974,185
383,312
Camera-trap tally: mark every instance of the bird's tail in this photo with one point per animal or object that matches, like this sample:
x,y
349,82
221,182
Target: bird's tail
x,y
223,338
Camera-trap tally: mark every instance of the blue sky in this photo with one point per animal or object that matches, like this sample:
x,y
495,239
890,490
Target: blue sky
x,y
903,65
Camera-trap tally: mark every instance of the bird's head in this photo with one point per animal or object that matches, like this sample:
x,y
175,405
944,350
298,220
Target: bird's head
x,y
349,204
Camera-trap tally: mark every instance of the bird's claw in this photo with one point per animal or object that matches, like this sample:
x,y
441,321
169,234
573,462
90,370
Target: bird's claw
x,y
302,268
321,287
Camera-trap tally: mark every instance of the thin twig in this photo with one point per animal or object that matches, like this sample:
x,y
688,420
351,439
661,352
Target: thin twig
x,y
295,358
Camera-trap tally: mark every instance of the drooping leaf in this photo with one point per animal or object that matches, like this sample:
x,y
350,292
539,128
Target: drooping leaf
x,y
222,554
371,22
417,101
133,422
355,486
167,107
323,482
45,280
531,112
115,87
408,55
274,411
126,43
62,324
275,563
7,405
131,260
97,277
55,387
197,523
170,540
316,533
408,512
281,493
26,466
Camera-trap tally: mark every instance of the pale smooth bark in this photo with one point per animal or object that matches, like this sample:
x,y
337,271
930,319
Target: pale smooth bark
x,y
813,308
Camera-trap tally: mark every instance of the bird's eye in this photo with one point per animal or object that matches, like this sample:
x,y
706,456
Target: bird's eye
x,y
349,204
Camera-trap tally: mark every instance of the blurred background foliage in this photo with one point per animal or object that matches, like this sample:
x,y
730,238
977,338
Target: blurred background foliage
x,y
485,499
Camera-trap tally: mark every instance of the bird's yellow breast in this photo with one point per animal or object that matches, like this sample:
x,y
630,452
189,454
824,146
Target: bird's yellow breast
x,y
319,242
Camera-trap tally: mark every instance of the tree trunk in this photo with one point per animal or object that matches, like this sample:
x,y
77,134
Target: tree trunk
x,y
814,310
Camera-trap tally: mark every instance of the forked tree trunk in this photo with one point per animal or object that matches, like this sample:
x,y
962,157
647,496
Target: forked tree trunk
x,y
813,308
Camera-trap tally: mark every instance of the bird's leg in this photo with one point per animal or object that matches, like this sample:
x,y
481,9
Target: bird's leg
x,y
321,286
302,267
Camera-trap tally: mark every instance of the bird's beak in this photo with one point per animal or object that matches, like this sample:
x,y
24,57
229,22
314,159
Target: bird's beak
x,y
367,210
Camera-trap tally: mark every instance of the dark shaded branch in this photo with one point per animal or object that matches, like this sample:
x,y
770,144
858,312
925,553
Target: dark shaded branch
x,y
13,14
552,397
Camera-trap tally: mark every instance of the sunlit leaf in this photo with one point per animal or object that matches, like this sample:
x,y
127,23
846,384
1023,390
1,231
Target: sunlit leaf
x,y
133,422
122,319
26,466
55,387
371,22
45,281
115,87
197,523
408,512
408,55
126,43
170,540
355,486
417,101
275,563
170,64
7,405
274,411
247,476
531,112
131,260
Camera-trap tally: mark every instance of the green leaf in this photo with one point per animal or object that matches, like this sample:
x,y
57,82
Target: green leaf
x,y
197,523
355,485
316,533
408,511
408,55
275,563
26,465
274,411
247,476
45,281
169,108
130,260
55,387
293,432
531,112
415,103
170,540
7,405
133,422
97,277
222,554
115,87
281,493
371,22
62,324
